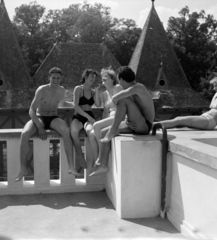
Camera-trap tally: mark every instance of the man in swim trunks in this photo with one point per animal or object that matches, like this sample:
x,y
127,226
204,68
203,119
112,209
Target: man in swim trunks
x,y
206,121
135,114
43,113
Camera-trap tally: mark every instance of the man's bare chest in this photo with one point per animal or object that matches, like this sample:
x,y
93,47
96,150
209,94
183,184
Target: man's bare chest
x,y
50,99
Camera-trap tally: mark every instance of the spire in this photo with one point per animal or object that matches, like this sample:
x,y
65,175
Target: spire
x,y
14,74
158,68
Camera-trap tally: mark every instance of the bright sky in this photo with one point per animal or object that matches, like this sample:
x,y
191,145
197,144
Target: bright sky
x,y
132,9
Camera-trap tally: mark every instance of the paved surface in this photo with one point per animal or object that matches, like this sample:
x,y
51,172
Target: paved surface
x,y
74,216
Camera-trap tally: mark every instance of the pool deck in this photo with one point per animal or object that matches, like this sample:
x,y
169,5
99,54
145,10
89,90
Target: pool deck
x,y
88,215
91,215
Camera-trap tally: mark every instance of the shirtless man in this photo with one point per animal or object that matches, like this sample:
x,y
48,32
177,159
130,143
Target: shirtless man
x,y
43,113
135,114
206,121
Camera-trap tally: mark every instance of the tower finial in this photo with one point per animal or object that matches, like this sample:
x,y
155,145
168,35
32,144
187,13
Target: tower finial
x,y
152,3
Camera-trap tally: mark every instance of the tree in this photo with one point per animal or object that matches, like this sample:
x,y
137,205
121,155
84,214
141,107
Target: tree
x,y
28,26
122,38
193,36
83,23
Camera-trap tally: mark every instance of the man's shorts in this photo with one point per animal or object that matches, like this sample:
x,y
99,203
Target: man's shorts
x,y
47,120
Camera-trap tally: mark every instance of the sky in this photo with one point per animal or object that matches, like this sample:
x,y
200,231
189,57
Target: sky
x,y
130,9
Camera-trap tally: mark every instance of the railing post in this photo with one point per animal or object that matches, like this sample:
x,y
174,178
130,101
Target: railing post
x,y
164,165
13,162
65,178
41,153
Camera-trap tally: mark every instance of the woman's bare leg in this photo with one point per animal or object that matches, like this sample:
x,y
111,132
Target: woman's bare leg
x,y
93,141
61,127
76,127
198,122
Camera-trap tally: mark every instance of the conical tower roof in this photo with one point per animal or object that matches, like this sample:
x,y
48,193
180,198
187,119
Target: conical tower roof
x,y
14,74
158,68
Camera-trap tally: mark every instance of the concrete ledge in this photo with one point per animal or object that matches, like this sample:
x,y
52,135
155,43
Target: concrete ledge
x,y
41,163
16,133
133,183
192,182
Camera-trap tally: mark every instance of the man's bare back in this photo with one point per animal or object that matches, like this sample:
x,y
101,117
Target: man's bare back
x,y
144,101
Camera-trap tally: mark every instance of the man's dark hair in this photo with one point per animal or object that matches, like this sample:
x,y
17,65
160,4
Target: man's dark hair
x,y
86,73
126,73
55,70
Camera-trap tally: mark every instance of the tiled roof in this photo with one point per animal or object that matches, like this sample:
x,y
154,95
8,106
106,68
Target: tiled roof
x,y
73,59
13,71
158,68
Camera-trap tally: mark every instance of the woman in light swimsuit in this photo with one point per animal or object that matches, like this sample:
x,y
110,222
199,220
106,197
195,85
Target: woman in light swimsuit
x,y
84,97
206,121
109,80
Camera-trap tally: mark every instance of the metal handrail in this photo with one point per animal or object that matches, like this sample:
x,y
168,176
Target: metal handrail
x,y
164,165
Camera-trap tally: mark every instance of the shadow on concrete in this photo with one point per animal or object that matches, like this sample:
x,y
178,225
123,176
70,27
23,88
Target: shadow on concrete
x,y
94,200
157,223
4,238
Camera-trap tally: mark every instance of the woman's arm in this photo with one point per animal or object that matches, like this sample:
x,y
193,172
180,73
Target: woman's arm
x,y
97,99
64,103
103,101
117,89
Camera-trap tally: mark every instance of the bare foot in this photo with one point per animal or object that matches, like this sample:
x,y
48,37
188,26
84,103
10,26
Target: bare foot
x,y
108,137
21,174
99,170
73,172
94,166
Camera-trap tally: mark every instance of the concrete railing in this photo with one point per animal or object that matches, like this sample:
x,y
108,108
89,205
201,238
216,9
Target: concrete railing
x,y
41,155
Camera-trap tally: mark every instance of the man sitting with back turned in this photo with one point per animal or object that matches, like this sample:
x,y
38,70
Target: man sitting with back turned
x,y
43,113
135,114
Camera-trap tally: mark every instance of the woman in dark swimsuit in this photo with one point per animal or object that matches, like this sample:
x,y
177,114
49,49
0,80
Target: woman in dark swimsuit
x,y
84,97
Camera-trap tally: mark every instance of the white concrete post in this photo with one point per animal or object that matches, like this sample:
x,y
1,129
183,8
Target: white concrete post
x,y
65,178
13,162
134,181
41,150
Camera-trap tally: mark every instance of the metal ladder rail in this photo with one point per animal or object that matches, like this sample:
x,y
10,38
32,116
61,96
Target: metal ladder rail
x,y
164,165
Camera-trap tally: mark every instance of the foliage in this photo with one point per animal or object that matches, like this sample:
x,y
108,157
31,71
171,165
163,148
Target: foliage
x,y
194,38
37,31
192,35
122,38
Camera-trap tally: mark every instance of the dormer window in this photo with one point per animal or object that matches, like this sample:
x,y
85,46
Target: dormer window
x,y
162,82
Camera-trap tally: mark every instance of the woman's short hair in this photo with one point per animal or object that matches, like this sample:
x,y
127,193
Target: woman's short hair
x,y
86,74
214,80
111,74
